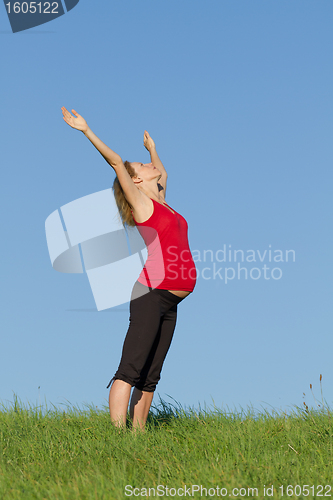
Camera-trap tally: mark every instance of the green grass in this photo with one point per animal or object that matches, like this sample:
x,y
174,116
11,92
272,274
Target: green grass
x,y
77,454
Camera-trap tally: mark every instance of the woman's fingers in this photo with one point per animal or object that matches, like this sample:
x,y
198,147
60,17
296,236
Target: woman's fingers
x,y
69,119
76,121
145,138
65,112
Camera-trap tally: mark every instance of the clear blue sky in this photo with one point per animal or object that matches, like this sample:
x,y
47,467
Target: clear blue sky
x,y
238,98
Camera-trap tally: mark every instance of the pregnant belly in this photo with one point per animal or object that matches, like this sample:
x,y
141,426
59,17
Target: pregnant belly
x,y
180,293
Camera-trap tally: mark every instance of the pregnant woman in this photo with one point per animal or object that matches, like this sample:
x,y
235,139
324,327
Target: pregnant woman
x,y
168,276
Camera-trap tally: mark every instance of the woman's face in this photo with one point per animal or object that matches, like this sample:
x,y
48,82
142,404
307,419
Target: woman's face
x,y
146,171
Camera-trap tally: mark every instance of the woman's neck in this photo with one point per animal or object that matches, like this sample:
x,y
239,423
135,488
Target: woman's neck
x,y
152,192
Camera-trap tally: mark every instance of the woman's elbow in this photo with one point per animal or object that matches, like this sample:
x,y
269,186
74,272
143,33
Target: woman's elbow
x,y
116,163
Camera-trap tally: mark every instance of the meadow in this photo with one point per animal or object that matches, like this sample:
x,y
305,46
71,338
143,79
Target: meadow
x,y
77,454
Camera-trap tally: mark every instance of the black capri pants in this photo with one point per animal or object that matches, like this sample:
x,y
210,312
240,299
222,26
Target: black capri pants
x,y
153,316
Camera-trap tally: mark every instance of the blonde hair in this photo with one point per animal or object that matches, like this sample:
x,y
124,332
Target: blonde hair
x,y
123,206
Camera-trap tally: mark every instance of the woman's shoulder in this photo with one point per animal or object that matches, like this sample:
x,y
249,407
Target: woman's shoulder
x,y
143,210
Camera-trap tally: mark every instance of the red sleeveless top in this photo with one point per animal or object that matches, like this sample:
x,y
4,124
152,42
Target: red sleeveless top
x,y
169,265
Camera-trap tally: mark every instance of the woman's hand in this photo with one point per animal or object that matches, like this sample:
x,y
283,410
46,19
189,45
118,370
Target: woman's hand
x,y
79,123
148,142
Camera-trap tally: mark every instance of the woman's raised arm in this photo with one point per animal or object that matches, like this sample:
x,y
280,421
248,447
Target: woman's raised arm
x,y
150,146
79,123
132,193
